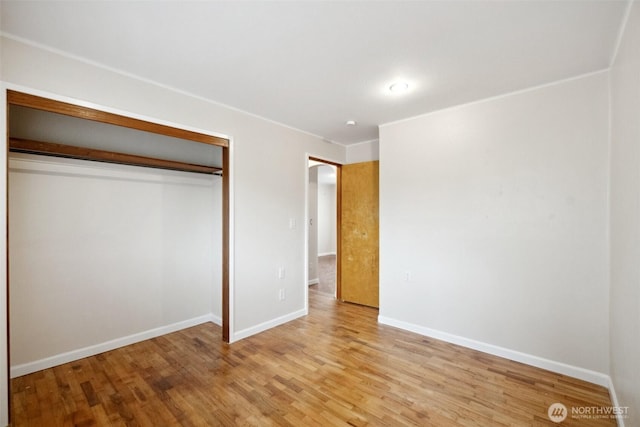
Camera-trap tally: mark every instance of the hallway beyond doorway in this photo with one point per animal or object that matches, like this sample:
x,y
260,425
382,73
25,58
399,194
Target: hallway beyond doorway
x,y
326,275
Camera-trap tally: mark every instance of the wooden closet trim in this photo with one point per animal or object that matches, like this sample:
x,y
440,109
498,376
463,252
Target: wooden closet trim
x,y
226,179
59,107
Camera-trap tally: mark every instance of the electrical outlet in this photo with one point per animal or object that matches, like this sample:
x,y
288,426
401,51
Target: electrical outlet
x,y
281,295
407,276
281,273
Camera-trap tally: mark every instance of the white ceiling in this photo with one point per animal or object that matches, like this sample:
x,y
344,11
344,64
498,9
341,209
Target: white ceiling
x,y
313,65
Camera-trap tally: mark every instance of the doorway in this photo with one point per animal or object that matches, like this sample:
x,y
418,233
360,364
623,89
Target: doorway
x,y
355,265
323,227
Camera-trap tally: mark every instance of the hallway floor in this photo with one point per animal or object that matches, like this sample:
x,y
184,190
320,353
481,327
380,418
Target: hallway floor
x,y
326,275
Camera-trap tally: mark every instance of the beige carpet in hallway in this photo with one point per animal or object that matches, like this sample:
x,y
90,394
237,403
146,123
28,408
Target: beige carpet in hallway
x,y
326,275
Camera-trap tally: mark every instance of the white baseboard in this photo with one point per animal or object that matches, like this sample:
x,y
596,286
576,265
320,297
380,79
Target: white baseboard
x,y
314,281
326,254
70,356
540,362
216,319
268,325
615,402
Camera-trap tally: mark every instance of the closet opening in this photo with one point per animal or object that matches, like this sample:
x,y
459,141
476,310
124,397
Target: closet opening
x,y
50,142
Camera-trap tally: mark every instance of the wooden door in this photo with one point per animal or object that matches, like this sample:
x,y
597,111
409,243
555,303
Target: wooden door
x,y
359,231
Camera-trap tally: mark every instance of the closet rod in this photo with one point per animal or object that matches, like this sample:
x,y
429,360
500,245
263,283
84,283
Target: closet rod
x,y
83,153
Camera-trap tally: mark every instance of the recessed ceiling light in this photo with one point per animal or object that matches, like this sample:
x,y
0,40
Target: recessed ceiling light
x,y
351,123
399,87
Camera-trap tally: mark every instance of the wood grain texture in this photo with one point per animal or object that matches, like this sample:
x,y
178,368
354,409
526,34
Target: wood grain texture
x,y
359,233
334,367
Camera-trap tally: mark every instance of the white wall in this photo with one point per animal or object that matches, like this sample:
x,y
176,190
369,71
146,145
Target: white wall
x,y
498,209
99,252
269,169
312,224
327,218
367,151
625,219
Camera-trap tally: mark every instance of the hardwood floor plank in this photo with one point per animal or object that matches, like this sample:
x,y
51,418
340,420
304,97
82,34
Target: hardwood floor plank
x,y
89,393
337,366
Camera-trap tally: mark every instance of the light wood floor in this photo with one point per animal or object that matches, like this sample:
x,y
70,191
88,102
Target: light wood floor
x,y
336,366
